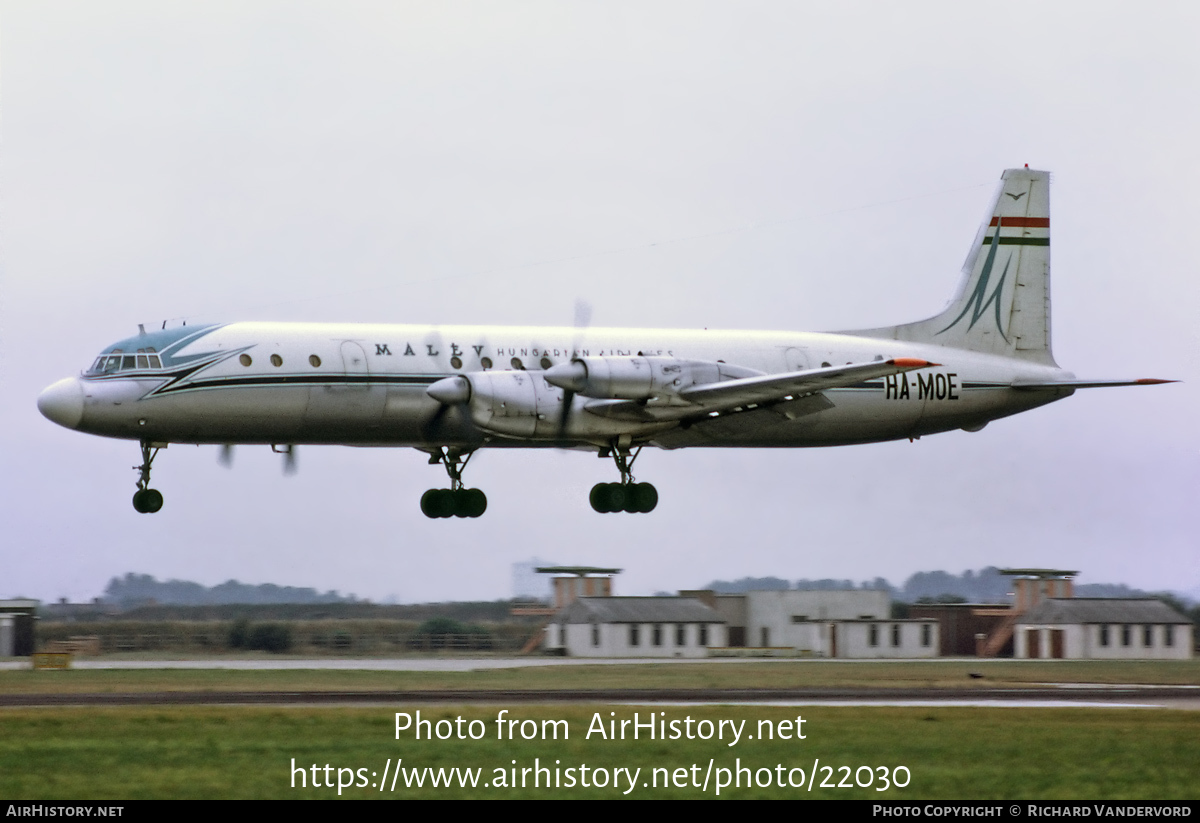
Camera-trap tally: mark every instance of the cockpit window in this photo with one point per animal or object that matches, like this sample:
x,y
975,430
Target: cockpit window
x,y
117,360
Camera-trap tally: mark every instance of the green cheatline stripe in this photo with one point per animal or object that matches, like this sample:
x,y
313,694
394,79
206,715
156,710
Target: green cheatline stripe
x,y
1019,241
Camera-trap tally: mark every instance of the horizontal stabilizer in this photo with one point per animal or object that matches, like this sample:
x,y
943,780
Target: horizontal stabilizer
x,y
1086,384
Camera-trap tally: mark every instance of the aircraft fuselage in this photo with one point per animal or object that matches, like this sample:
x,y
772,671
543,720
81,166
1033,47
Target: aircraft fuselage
x,y
357,384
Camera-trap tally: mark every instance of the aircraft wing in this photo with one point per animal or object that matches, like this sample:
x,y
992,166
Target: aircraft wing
x,y
752,391
1085,384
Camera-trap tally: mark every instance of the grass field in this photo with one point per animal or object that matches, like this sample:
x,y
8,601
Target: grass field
x,y
709,675
950,753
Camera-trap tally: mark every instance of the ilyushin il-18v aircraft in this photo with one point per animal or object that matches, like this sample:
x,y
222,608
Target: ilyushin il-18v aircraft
x,y
452,390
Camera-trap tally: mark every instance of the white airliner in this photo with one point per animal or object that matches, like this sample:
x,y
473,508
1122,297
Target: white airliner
x,y
450,390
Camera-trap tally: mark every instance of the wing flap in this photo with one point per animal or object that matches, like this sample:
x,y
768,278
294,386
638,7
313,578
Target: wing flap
x,y
779,386
753,391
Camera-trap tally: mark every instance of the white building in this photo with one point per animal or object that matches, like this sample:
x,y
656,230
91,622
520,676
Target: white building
x,y
635,627
1103,628
792,618
906,639
826,623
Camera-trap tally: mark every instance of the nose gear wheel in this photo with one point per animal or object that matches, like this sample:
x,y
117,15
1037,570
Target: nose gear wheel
x,y
147,500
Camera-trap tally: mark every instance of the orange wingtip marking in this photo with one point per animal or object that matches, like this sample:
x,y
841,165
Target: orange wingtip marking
x,y
1153,381
912,363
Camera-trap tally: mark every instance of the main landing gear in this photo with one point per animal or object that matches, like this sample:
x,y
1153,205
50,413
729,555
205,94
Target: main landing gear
x,y
626,496
455,501
146,500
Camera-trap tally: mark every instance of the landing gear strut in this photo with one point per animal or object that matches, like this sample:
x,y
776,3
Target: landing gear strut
x,y
455,501
146,500
626,496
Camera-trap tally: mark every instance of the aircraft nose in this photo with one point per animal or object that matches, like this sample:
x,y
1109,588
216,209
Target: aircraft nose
x,y
62,403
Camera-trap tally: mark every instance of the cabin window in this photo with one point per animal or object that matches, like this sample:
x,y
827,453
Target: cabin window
x,y
276,360
486,362
245,360
545,363
456,362
314,361
516,364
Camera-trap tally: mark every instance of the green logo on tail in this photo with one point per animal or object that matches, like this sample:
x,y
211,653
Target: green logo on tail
x,y
979,300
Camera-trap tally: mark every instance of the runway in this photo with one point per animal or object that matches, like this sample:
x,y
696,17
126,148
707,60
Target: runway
x,y
1097,697
1037,695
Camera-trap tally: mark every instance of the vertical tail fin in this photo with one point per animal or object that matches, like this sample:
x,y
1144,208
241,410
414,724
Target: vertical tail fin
x,y
1002,305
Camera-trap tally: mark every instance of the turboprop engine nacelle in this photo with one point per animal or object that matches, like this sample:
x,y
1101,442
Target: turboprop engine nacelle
x,y
638,378
526,404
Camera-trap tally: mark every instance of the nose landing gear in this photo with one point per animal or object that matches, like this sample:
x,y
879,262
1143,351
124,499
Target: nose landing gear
x,y
455,501
626,496
147,500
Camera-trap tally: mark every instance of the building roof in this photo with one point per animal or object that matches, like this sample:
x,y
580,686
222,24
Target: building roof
x,y
638,610
1045,573
1102,610
582,571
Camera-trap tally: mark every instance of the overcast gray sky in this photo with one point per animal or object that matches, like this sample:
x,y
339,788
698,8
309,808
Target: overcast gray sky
x,y
770,165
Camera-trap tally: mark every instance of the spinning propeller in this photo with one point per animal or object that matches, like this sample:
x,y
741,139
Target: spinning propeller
x,y
583,319
225,457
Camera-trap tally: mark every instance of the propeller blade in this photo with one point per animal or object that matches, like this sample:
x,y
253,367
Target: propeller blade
x,y
568,398
569,372
430,427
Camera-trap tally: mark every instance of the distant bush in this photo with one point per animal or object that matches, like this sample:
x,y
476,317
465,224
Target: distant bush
x,y
443,632
265,637
271,637
239,634
441,626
